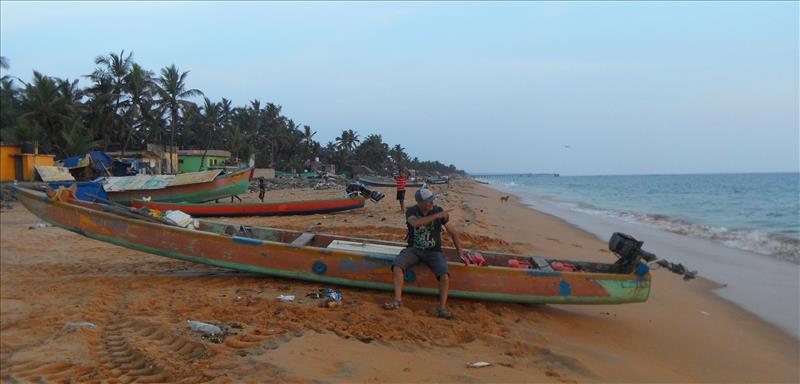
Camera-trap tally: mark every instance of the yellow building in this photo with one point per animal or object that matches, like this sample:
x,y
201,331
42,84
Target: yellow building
x,y
15,165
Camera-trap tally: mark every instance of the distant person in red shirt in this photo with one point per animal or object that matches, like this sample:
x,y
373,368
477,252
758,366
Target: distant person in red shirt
x,y
401,179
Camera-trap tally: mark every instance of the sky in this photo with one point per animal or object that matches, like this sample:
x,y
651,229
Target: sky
x,y
578,88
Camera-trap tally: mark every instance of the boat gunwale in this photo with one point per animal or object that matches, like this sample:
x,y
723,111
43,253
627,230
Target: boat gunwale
x,y
258,204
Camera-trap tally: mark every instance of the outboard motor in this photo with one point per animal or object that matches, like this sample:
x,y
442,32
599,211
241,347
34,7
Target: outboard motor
x,y
629,250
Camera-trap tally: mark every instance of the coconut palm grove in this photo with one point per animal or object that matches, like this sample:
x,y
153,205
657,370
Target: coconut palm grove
x,y
127,106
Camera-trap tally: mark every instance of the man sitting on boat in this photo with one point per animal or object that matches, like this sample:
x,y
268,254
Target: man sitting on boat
x,y
424,222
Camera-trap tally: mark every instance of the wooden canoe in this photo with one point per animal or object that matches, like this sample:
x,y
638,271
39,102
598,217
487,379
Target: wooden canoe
x,y
222,186
332,259
281,208
385,182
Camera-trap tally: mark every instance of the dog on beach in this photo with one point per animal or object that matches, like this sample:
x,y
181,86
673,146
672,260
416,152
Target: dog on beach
x,y
504,199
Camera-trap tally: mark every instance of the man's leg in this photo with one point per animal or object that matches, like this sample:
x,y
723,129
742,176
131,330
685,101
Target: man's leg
x,y
437,262
406,259
401,197
398,275
444,286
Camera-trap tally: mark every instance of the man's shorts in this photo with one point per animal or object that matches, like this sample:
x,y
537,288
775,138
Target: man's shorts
x,y
411,256
401,195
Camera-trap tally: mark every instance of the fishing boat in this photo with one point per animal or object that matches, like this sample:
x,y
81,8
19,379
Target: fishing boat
x,y
193,187
339,260
386,182
281,208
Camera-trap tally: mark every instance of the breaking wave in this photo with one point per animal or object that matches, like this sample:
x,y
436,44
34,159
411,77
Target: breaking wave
x,y
781,246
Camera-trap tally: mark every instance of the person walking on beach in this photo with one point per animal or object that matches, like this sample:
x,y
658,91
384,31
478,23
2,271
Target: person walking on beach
x,y
424,222
401,179
262,188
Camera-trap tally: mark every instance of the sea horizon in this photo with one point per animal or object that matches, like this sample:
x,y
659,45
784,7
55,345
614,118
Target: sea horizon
x,y
479,174
757,212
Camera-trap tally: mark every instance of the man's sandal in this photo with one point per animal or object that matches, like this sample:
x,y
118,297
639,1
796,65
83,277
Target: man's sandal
x,y
394,304
444,314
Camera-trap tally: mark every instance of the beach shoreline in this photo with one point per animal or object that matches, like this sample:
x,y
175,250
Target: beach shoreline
x,y
739,273
683,333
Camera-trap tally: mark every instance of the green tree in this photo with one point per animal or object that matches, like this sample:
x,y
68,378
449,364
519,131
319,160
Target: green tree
x,y
171,87
75,140
373,152
348,140
41,106
139,85
113,70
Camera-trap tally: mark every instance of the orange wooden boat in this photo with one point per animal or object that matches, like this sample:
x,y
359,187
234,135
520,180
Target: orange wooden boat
x,y
340,260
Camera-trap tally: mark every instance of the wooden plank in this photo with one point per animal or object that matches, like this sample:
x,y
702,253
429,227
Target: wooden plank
x,y
49,173
303,240
365,247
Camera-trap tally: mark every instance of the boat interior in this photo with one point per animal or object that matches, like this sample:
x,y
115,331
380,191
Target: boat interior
x,y
375,248
391,249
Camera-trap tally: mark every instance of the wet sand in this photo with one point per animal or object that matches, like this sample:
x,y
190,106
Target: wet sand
x,y
140,303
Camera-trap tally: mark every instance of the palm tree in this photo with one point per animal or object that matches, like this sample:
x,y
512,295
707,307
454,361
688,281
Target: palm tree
x,y
41,103
307,138
9,102
275,125
75,139
373,152
113,69
398,155
348,140
210,122
138,84
171,87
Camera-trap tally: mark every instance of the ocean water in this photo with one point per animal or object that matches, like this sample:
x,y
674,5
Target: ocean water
x,y
757,212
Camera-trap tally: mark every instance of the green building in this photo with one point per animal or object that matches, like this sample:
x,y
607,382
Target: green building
x,y
189,160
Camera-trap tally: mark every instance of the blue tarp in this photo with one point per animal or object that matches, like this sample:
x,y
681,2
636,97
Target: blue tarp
x,y
85,188
99,160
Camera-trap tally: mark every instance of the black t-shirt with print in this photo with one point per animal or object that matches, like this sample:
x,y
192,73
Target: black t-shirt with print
x,y
429,236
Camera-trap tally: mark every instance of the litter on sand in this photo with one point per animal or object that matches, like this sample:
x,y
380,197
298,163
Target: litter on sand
x,y
478,364
286,298
208,329
81,324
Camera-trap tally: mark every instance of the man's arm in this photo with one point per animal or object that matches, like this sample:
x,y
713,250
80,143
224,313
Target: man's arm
x,y
454,235
417,222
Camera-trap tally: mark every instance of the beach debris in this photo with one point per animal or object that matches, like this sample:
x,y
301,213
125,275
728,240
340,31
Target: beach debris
x,y
39,225
285,298
329,303
331,297
79,325
336,296
205,328
478,364
678,268
705,313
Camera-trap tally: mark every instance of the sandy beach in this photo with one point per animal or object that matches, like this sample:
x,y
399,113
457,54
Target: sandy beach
x,y
139,304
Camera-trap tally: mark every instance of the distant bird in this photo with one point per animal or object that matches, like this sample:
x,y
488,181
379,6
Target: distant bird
x,y
567,147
